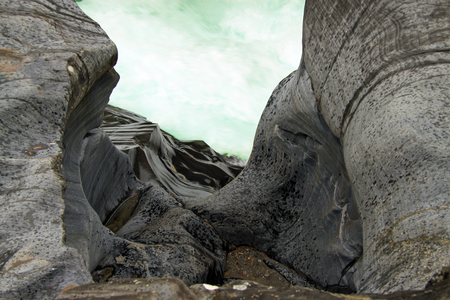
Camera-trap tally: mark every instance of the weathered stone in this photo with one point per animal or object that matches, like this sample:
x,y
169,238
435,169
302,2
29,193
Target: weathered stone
x,y
293,200
188,169
99,177
162,239
380,74
132,289
245,263
50,55
171,288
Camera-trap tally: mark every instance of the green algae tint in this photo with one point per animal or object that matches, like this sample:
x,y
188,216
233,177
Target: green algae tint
x,y
201,69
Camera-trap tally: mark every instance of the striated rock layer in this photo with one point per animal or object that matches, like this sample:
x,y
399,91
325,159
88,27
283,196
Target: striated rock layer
x,y
293,200
380,73
346,186
51,55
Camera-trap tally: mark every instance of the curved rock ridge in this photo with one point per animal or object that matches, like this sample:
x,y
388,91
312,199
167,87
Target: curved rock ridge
x,y
293,200
51,54
347,184
61,176
188,169
380,72
160,239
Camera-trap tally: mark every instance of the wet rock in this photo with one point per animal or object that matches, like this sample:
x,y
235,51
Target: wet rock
x,y
171,288
245,263
293,200
383,89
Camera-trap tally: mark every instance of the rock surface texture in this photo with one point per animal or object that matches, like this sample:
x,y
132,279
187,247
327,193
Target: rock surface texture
x,y
346,187
172,288
188,169
51,55
293,200
380,73
62,177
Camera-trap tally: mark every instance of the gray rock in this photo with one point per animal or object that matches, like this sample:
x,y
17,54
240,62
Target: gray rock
x,y
162,239
50,55
187,169
293,200
371,214
380,74
61,176
132,289
98,176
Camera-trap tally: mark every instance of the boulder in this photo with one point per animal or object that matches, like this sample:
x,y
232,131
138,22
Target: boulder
x,y
162,239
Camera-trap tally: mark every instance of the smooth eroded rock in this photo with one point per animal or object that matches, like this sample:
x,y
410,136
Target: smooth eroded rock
x,y
293,200
380,72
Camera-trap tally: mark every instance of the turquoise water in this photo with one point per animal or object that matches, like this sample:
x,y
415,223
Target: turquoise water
x,y
201,69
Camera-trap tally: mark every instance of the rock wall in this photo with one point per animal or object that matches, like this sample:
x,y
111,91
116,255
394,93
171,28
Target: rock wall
x,y
380,73
293,200
346,185
62,177
51,54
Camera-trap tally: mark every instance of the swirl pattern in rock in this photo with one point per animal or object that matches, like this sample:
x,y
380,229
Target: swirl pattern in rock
x,y
293,200
380,71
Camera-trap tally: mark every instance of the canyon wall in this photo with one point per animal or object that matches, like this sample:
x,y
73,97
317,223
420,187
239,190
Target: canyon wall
x,y
379,70
346,185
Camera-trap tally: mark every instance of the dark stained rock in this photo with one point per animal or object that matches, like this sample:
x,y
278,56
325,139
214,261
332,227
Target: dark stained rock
x,y
245,263
293,200
253,290
188,169
380,72
162,239
132,289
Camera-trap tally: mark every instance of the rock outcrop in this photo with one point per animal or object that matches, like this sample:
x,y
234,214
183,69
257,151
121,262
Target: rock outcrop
x,y
380,73
346,186
51,55
188,169
293,200
62,177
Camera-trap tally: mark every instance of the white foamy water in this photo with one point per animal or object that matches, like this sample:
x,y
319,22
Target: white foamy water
x,y
201,69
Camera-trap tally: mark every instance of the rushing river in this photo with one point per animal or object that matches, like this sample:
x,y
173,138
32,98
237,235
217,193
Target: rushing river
x,y
201,69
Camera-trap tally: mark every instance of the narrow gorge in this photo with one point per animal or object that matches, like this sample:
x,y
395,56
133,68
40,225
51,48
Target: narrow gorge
x,y
346,189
